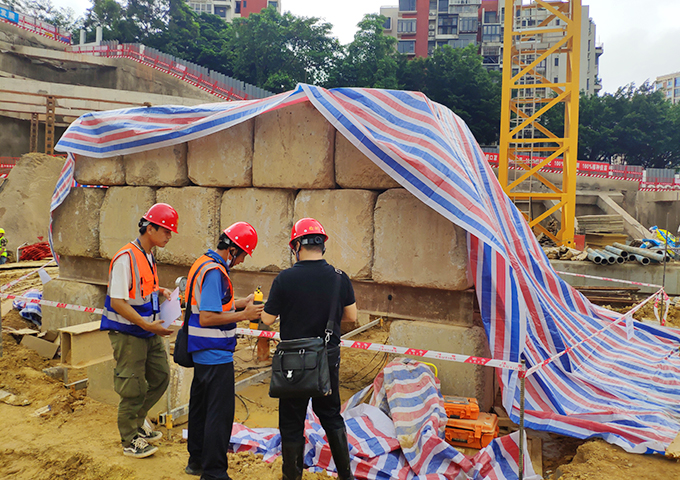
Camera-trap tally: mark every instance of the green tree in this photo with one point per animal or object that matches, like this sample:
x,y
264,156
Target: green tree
x,y
455,77
46,11
371,59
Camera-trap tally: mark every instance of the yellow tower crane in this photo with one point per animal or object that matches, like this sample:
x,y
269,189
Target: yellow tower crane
x,y
534,34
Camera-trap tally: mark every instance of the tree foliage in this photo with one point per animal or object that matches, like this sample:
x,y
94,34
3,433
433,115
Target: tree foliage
x,y
46,11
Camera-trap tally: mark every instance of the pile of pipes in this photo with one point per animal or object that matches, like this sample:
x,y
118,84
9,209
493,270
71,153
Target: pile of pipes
x,y
620,253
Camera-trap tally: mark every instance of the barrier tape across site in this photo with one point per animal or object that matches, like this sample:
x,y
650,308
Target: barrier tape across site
x,y
20,279
451,357
629,282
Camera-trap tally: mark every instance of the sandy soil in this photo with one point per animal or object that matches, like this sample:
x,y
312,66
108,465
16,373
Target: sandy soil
x,y
78,438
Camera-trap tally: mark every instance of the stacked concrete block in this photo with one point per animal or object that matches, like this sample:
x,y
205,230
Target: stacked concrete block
x,y
416,246
223,159
161,167
347,217
354,170
100,171
293,149
121,211
459,379
74,293
199,221
76,223
270,211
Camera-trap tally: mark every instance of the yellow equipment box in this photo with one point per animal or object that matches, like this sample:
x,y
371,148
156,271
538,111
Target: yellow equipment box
x,y
472,433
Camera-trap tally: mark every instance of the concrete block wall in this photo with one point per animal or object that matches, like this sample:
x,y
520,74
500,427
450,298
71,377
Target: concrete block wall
x,y
271,171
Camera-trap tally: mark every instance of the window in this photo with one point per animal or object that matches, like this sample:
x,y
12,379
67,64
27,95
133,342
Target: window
x,y
430,48
490,17
273,4
491,33
557,22
587,84
245,4
221,11
433,5
588,45
467,24
461,42
463,8
557,61
388,23
444,6
407,5
556,80
447,25
406,26
677,81
677,92
238,7
201,7
406,46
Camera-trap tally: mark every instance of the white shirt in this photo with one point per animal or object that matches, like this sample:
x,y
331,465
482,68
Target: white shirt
x,y
121,277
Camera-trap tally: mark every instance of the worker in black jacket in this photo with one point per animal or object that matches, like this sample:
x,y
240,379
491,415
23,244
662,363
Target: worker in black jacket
x,y
301,296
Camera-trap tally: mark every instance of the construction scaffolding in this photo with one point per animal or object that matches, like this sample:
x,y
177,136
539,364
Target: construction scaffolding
x,y
534,34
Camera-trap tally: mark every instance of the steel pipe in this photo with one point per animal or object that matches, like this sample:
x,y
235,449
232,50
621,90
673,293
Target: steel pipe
x,y
609,257
642,260
616,251
594,256
640,252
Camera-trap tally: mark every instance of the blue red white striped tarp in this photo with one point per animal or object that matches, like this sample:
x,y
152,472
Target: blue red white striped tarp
x,y
625,391
406,405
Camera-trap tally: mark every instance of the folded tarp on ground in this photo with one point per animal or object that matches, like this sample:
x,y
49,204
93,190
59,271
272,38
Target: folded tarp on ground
x,y
398,434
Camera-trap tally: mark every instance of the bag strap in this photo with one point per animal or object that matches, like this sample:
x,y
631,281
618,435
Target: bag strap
x,y
187,302
334,302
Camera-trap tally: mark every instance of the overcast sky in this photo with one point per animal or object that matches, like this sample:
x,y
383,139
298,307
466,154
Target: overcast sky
x,y
641,37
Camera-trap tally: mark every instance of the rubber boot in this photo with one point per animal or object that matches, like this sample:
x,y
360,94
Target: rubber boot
x,y
337,440
293,454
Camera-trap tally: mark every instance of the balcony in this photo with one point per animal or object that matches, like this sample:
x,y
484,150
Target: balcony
x,y
599,49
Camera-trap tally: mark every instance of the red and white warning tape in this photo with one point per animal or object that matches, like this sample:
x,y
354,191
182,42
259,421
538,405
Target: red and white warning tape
x,y
628,314
377,347
14,282
609,279
451,357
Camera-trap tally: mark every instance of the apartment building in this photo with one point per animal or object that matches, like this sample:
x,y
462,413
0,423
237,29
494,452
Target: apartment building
x,y
230,9
421,26
670,86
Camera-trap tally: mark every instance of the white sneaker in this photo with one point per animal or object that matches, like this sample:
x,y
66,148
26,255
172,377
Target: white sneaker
x,y
139,448
148,434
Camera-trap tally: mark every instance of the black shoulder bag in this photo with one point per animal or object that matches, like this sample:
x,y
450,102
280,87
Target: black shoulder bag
x,y
181,354
300,367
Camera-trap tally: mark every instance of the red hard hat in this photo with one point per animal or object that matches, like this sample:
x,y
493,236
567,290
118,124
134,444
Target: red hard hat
x,y
244,235
306,226
164,215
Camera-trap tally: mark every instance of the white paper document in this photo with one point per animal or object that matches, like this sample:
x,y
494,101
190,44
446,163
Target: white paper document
x,y
171,309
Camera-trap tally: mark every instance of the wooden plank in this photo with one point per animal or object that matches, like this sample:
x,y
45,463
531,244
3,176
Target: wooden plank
x,y
83,345
536,454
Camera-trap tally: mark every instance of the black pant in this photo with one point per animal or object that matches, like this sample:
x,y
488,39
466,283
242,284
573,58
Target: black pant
x,y
292,410
211,418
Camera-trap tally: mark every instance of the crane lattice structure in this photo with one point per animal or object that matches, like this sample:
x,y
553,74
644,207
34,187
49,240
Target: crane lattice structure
x,y
534,34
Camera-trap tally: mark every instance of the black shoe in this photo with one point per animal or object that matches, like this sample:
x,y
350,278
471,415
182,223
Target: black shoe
x,y
194,469
293,454
139,448
337,440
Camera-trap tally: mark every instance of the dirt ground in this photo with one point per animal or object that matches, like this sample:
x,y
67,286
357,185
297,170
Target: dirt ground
x,y
78,438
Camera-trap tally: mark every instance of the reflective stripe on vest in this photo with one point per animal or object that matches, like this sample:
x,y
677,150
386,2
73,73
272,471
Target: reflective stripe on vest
x,y
219,337
144,282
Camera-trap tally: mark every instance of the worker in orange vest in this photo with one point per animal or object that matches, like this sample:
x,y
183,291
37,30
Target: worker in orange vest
x,y
130,315
211,340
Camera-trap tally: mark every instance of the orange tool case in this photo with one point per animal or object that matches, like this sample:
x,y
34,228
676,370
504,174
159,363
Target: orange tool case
x,y
472,433
461,407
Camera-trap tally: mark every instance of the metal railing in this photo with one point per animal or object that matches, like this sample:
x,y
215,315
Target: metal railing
x,y
212,82
32,24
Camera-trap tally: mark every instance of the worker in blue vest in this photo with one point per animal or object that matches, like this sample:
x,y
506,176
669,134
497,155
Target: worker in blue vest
x,y
130,315
211,341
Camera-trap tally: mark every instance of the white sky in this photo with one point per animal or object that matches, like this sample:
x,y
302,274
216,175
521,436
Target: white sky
x,y
641,37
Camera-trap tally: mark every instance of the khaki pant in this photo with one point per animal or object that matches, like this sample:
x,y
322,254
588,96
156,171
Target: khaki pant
x,y
140,378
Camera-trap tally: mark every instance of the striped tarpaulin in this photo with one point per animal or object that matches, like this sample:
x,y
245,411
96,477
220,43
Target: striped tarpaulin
x,y
625,391
398,434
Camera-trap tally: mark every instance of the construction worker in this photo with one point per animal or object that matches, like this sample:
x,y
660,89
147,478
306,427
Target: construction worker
x,y
301,296
211,340
130,315
3,247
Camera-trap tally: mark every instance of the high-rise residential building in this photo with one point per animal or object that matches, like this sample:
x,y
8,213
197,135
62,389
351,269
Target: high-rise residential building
x,y
421,26
230,9
670,86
